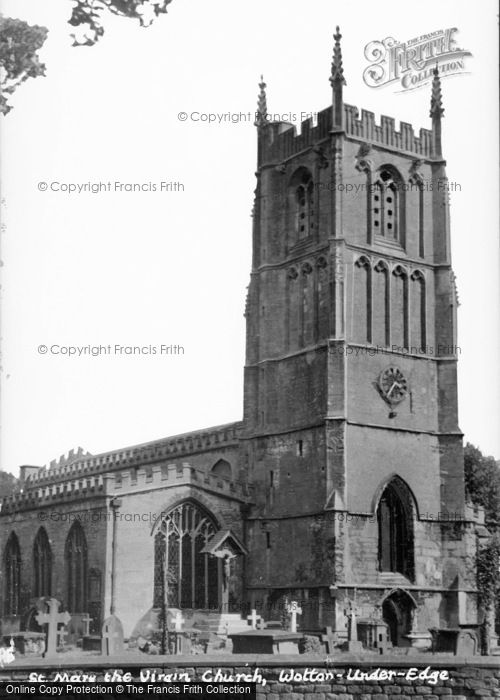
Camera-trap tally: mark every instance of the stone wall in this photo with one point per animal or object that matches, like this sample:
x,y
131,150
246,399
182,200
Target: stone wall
x,y
139,515
57,521
477,677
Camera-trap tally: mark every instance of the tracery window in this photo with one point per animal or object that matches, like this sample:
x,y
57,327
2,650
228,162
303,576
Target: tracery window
x,y
12,563
184,576
395,526
42,565
386,205
76,569
222,468
302,194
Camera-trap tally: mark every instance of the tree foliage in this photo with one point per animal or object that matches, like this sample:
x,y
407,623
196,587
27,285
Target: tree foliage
x,y
19,44
8,484
488,587
87,15
482,483
488,561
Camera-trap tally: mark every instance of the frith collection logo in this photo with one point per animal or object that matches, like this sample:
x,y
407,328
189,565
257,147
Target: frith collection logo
x,y
411,63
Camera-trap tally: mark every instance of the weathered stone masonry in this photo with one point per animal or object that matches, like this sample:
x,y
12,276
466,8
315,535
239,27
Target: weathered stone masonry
x,y
345,477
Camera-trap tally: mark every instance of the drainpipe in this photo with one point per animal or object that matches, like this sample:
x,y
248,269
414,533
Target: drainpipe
x,y
115,503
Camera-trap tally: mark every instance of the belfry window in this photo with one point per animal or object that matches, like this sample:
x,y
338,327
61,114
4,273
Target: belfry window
x,y
304,203
76,569
395,529
184,576
386,206
12,563
42,565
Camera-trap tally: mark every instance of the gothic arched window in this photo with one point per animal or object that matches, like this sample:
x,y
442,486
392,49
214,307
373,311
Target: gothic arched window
x,y
222,468
184,576
387,205
302,187
12,564
76,569
42,565
395,529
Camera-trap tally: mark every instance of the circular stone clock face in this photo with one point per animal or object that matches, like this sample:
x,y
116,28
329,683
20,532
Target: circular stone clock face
x,y
393,385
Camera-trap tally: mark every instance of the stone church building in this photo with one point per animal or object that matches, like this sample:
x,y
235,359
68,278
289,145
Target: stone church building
x,y
344,481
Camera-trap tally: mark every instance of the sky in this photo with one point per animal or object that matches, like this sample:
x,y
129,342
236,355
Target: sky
x,y
170,267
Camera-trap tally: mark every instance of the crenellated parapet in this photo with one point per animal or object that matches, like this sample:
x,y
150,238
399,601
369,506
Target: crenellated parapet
x,y
167,475
48,494
281,141
385,134
129,481
222,436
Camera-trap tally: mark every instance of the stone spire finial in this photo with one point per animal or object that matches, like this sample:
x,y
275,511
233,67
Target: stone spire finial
x,y
261,115
436,113
337,75
437,110
337,81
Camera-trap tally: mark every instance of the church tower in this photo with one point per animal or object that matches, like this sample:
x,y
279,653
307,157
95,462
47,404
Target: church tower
x,y
351,434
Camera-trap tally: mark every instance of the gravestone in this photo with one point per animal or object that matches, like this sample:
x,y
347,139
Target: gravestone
x,y
266,641
373,634
293,609
329,639
53,618
352,627
78,627
112,636
182,637
467,643
178,621
253,619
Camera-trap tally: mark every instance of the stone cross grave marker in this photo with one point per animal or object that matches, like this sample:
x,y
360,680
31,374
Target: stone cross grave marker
x,y
294,609
352,628
112,636
253,619
53,618
178,621
86,620
330,639
350,612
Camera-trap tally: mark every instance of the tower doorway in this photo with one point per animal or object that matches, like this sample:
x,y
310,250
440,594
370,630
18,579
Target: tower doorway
x,y
398,610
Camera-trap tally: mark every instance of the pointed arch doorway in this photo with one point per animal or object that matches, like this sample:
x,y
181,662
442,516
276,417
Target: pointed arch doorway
x,y
398,612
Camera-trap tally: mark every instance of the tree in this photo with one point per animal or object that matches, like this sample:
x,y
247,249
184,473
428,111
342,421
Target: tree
x,y
8,484
482,484
488,586
87,15
19,43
